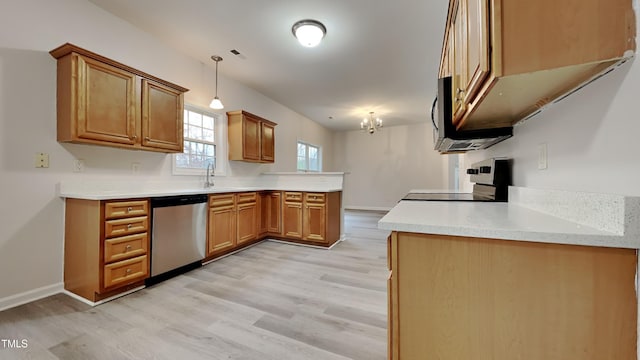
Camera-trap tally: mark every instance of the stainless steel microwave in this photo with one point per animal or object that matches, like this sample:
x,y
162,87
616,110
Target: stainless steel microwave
x,y
450,139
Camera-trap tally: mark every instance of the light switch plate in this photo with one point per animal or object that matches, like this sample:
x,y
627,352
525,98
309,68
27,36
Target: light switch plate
x,y
542,156
42,160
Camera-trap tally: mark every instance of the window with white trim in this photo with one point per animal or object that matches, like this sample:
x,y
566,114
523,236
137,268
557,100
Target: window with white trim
x,y
309,157
201,142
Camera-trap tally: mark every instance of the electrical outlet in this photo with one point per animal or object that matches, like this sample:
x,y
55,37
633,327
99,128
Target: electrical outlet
x,y
78,165
135,168
42,160
542,156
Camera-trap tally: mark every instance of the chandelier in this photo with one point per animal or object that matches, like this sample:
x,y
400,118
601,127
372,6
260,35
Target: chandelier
x,y
370,124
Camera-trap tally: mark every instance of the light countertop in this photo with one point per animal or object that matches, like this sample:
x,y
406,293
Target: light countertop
x,y
145,193
516,221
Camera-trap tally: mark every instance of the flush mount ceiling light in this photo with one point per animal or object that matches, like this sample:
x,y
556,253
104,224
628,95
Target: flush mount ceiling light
x,y
309,32
216,103
370,125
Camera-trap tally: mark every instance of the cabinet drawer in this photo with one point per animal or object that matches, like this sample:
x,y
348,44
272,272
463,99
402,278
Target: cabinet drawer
x,y
221,200
246,197
126,226
292,196
314,197
125,247
121,209
126,271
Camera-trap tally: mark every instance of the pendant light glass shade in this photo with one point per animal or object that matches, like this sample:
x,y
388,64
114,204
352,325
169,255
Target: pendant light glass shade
x,y
216,103
309,32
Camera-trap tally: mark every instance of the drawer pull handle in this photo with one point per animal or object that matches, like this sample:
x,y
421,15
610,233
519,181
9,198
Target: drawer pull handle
x,y
129,209
128,271
127,248
129,226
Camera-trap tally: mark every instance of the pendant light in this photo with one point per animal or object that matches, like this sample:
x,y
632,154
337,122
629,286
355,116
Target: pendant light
x,y
216,103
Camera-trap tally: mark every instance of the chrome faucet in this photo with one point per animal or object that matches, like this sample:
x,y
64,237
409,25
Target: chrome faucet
x,y
208,182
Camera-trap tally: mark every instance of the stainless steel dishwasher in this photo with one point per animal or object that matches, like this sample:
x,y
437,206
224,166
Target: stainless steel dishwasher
x,y
178,235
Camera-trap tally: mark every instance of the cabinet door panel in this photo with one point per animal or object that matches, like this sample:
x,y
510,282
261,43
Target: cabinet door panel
x,y
251,144
275,214
105,102
292,220
263,214
162,117
247,214
268,142
477,49
222,229
314,222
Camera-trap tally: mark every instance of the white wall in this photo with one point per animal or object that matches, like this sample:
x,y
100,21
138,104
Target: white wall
x,y
31,221
381,168
592,139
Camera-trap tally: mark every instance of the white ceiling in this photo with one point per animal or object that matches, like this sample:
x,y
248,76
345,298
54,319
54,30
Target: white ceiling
x,y
378,55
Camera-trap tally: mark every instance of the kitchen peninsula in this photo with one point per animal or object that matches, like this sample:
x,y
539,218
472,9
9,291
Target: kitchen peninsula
x,y
548,275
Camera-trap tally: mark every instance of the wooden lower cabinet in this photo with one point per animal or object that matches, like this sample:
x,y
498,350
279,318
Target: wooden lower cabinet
x,y
106,246
471,298
312,217
292,220
247,215
222,223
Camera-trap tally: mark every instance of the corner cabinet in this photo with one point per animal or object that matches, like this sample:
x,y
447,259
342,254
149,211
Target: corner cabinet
x,y
106,246
509,59
103,102
503,299
251,138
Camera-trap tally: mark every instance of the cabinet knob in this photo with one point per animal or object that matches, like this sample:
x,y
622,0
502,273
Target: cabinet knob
x,y
129,226
147,138
129,209
128,271
127,248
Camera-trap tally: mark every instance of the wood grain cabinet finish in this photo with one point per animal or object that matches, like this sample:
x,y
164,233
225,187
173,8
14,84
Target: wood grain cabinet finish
x,y
251,138
292,216
103,102
247,215
270,214
106,246
222,224
509,59
312,217
471,298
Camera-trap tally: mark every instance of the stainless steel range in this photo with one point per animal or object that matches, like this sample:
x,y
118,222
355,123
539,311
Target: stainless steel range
x,y
491,179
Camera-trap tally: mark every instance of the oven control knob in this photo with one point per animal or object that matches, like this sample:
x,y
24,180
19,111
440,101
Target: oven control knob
x,y
485,169
472,171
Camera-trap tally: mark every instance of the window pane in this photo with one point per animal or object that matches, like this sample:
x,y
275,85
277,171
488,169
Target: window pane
x,y
302,164
209,150
195,132
313,152
182,160
207,122
195,118
207,135
302,150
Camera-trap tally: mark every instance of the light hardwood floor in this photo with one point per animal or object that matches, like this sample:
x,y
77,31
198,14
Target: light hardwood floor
x,y
271,301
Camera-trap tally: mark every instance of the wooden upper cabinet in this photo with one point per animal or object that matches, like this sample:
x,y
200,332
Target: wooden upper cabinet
x,y
509,59
251,138
267,148
162,116
106,112
103,102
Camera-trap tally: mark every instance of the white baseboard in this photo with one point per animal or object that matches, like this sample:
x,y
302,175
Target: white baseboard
x,y
91,303
29,296
367,208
